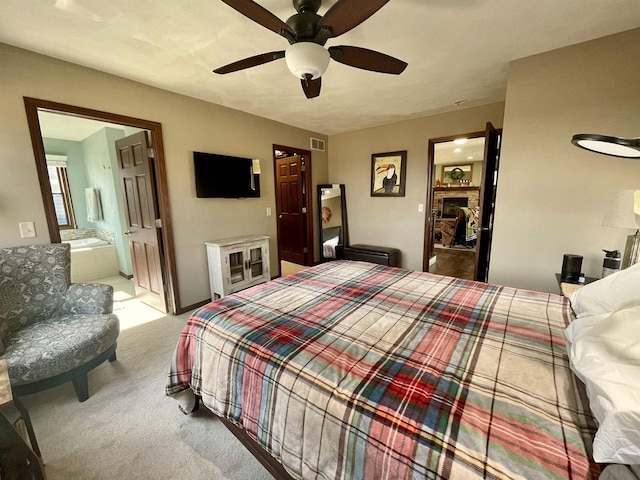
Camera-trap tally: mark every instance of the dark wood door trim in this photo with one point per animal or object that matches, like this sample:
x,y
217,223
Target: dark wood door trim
x,y
308,197
33,105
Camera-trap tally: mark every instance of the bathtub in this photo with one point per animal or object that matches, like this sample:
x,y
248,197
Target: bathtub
x,y
92,259
86,242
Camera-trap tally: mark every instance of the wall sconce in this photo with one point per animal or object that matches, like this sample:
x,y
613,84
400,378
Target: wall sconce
x,y
625,213
614,146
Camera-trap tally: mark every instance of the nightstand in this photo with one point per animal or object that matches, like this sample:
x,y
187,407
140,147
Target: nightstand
x,y
567,288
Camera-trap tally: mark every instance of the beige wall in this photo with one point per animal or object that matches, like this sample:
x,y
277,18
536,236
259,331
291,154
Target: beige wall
x,y
187,124
552,196
395,221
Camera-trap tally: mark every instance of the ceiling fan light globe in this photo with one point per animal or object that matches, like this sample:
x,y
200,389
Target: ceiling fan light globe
x,y
307,58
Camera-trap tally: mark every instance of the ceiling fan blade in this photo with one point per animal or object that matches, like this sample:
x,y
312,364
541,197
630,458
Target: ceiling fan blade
x,y
261,15
367,59
348,14
250,62
311,87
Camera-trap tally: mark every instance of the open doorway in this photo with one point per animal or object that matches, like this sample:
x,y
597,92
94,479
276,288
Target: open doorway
x,y
90,200
294,208
462,181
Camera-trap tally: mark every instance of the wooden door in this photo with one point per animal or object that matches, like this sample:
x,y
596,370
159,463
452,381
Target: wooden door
x,y
290,209
487,201
138,188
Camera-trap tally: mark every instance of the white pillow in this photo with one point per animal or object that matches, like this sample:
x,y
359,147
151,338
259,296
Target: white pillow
x,y
608,293
604,352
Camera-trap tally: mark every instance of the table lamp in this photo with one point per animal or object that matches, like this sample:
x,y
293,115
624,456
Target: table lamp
x,y
625,213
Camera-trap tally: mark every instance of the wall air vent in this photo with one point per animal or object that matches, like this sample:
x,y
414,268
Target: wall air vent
x,y
317,144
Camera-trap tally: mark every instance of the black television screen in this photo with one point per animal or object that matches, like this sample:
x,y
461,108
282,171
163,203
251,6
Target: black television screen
x,y
222,176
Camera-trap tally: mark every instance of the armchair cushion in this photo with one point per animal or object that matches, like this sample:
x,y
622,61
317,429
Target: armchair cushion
x,y
89,298
46,349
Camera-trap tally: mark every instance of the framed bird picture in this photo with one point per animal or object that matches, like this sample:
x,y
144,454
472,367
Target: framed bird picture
x,y
388,173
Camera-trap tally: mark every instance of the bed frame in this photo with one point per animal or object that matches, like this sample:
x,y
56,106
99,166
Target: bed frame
x,y
274,467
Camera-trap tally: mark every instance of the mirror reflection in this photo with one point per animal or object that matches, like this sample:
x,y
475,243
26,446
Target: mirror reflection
x,y
332,216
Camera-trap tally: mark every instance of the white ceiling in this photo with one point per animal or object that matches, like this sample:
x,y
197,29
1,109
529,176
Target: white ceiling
x,y
456,50
452,153
67,127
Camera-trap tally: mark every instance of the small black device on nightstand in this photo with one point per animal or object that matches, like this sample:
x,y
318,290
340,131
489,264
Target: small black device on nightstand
x,y
571,266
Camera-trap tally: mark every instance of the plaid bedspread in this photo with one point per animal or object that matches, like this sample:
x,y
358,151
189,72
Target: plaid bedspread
x,y
351,370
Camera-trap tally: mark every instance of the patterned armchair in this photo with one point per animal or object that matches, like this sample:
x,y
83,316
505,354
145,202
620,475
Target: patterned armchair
x,y
52,331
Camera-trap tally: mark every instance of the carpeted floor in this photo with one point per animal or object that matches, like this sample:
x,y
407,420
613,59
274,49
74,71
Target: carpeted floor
x,y
128,428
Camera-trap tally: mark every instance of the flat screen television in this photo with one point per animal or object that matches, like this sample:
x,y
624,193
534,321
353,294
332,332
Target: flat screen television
x,y
451,205
222,176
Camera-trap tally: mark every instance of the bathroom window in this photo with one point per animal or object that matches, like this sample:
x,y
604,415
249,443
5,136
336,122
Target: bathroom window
x,y
62,202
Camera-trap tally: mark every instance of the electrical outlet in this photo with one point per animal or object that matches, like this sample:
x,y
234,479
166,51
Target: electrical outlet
x,y
268,211
27,229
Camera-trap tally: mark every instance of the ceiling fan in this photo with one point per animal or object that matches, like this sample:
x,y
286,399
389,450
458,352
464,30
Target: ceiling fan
x,y
307,32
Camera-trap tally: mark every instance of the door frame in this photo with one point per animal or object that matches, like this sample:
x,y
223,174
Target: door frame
x,y
308,201
168,261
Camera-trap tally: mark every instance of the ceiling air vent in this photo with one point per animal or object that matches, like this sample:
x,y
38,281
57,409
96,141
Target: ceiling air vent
x,y
317,144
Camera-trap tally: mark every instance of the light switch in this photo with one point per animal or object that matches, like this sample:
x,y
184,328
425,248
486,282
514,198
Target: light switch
x,y
27,229
268,211
421,207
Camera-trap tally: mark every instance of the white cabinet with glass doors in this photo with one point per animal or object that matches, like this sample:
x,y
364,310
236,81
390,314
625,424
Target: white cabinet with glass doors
x,y
237,263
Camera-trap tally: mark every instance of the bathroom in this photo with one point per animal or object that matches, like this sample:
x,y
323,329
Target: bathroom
x,y
83,173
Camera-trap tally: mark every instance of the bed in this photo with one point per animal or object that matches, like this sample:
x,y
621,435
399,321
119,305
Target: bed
x,y
351,370
330,240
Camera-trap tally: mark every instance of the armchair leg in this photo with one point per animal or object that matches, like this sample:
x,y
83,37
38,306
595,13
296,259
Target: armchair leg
x,y
81,385
113,357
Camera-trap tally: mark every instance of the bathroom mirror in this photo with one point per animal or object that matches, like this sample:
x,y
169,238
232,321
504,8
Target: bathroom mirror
x,y
332,216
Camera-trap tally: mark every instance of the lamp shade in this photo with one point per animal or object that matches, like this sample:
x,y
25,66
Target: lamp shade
x,y
614,146
622,213
307,58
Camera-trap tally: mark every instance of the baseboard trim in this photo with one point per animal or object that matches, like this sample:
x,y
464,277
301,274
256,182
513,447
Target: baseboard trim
x,y
188,308
128,277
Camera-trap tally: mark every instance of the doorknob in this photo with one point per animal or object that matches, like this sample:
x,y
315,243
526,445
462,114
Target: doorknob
x,y
279,216
128,232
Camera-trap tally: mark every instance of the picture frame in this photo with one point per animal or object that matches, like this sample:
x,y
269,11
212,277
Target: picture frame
x,y
388,174
457,174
